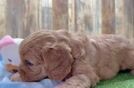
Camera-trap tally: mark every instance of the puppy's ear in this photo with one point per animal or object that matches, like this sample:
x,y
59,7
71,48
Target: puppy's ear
x,y
57,60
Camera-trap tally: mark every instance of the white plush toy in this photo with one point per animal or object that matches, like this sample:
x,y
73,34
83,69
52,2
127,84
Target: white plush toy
x,y
9,49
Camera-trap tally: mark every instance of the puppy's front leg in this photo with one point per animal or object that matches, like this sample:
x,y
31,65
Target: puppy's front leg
x,y
83,77
77,81
16,77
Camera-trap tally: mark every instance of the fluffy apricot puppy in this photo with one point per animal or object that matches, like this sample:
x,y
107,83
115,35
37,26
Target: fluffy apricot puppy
x,y
77,59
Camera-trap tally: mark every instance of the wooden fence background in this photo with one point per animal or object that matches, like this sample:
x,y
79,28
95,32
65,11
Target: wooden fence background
x,y
19,18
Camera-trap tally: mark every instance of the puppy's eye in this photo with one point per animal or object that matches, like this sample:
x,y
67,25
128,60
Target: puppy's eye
x,y
28,63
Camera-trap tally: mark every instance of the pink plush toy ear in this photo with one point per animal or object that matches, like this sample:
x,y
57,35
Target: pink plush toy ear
x,y
6,41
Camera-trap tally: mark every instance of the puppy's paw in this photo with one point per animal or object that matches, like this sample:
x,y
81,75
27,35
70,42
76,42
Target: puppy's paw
x,y
16,77
66,85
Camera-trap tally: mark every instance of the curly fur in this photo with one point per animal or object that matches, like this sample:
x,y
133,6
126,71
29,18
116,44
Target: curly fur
x,y
79,60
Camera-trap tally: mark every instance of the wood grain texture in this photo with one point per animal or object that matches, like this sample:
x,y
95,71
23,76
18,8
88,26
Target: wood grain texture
x,y
19,18
129,12
60,14
2,18
14,17
120,17
72,15
108,16
84,15
22,17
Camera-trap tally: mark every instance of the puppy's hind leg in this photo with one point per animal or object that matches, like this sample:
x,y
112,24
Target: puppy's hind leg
x,y
129,61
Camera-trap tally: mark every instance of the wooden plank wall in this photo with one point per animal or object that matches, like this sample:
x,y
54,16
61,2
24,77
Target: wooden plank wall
x,y
129,11
120,17
14,17
2,18
60,14
125,18
22,17
108,16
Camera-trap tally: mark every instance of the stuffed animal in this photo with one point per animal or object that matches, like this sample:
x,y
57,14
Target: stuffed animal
x,y
9,50
0,57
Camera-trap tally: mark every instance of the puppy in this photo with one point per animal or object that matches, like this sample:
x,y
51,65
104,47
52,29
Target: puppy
x,y
79,60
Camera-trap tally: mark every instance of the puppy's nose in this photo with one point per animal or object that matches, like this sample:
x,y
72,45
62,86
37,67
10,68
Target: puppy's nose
x,y
15,70
46,77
